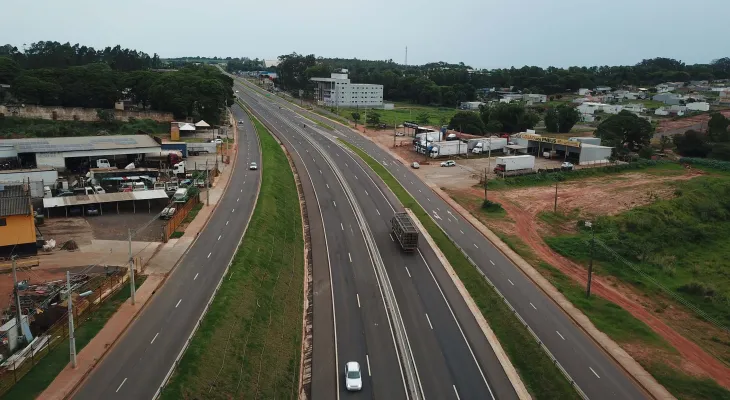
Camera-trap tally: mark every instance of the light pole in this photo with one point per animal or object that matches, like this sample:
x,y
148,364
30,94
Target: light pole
x,y
588,224
71,336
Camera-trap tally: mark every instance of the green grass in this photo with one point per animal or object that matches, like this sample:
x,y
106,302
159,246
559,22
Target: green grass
x,y
682,243
193,213
403,112
15,127
248,344
540,376
177,234
41,376
686,387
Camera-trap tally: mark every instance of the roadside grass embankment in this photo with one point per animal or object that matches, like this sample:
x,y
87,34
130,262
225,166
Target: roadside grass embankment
x,y
541,377
403,112
15,127
42,375
248,344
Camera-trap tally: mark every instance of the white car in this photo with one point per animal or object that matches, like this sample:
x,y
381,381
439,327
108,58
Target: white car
x,y
217,141
449,163
415,165
240,122
253,166
566,165
353,376
236,91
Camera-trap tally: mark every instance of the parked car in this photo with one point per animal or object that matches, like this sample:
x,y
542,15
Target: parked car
x,y
449,163
216,141
400,134
353,376
415,165
566,166
253,166
92,210
65,193
167,212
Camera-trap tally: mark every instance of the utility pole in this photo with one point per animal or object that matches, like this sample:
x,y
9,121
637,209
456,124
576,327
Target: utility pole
x,y
16,292
131,268
555,207
207,188
71,338
395,125
485,183
590,263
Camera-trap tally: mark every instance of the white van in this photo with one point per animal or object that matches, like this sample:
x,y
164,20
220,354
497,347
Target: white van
x,y
180,196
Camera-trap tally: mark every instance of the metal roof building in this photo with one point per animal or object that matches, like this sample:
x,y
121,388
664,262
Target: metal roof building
x,y
14,200
104,198
53,152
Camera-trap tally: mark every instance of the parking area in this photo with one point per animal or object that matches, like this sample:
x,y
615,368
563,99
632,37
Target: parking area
x,y
110,226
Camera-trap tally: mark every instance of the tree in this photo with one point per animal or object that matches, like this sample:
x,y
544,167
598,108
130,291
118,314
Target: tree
x,y
423,118
9,70
692,144
373,118
561,119
105,115
508,117
717,128
625,130
467,122
664,142
355,117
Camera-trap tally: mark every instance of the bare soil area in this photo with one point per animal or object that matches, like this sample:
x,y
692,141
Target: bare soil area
x,y
608,196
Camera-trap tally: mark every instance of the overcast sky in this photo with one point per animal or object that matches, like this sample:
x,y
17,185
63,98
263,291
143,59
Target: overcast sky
x,y
481,33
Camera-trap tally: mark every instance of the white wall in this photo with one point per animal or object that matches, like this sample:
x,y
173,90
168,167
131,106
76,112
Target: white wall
x,y
53,160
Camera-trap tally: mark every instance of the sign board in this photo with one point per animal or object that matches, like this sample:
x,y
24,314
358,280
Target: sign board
x,y
545,139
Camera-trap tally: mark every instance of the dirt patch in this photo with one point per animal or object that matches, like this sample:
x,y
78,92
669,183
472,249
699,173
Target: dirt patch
x,y
63,229
608,196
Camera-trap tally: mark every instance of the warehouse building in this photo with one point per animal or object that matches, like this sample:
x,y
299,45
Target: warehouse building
x,y
338,91
578,150
78,153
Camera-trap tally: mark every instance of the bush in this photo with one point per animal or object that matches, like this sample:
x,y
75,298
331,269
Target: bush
x,y
491,206
714,164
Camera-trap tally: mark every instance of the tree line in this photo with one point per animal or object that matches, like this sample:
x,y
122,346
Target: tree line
x,y
446,84
57,77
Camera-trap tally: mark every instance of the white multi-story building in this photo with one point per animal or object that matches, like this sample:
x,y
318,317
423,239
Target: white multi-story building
x,y
338,91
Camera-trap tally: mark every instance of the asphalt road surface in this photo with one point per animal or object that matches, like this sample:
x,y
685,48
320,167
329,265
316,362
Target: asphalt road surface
x,y
589,366
452,357
137,365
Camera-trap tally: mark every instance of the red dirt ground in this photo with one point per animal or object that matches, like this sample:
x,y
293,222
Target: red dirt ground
x,y
523,207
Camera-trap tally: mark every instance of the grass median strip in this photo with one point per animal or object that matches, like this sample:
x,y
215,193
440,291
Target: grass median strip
x,y
38,378
248,344
540,375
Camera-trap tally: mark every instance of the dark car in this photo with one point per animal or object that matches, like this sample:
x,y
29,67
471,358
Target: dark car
x,y
92,210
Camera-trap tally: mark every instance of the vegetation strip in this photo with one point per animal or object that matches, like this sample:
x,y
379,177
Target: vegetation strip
x,y
41,376
540,375
250,340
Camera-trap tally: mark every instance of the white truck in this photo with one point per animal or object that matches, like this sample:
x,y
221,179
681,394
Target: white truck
x,y
478,146
514,163
450,148
433,136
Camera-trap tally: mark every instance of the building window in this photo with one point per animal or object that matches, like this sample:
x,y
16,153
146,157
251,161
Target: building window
x,y
3,222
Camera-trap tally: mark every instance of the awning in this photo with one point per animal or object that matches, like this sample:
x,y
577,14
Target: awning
x,y
187,127
202,124
83,199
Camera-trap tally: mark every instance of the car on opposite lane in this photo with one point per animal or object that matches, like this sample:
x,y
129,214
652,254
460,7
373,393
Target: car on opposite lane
x,y
253,166
353,376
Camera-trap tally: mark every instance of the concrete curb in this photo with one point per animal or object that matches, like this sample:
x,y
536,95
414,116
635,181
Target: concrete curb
x,y
504,361
623,359
124,330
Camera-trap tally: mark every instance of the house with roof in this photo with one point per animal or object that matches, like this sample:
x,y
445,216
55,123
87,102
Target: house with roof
x,y
17,223
668,98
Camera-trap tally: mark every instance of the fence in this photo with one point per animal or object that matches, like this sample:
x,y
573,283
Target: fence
x,y
57,334
178,217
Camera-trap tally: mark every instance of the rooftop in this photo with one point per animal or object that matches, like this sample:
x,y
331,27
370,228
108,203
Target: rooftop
x,y
103,198
80,143
14,200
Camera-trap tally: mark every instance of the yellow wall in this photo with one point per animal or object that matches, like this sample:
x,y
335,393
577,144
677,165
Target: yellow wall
x,y
19,229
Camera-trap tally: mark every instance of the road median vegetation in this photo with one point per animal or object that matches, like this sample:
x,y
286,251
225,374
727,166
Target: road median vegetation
x,y
541,377
248,344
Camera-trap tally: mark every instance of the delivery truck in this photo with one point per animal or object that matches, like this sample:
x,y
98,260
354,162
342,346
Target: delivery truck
x,y
450,148
404,231
169,157
514,164
478,146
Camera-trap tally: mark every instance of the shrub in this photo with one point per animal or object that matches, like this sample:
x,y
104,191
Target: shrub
x,y
491,206
704,162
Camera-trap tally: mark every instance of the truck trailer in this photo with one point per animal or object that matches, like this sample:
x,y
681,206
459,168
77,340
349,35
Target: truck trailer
x,y
514,163
433,136
197,148
404,231
450,148
478,146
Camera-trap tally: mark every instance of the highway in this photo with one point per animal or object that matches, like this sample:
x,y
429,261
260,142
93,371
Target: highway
x,y
349,209
142,358
589,366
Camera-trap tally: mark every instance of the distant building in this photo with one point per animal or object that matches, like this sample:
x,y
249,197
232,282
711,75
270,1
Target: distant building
x,y
338,91
534,98
668,98
510,97
698,106
17,224
604,89
583,91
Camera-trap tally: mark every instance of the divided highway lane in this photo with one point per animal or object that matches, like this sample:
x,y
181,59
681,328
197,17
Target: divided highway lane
x,y
139,362
362,328
593,370
430,320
